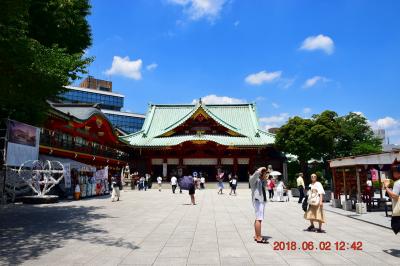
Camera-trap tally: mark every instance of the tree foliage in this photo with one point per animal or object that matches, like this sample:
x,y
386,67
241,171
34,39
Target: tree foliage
x,y
326,136
41,50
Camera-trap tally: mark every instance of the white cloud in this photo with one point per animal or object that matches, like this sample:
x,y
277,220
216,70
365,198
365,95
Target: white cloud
x,y
391,127
151,66
274,121
286,83
275,105
198,9
123,66
214,99
319,42
385,123
262,77
260,99
359,113
311,82
307,110
236,23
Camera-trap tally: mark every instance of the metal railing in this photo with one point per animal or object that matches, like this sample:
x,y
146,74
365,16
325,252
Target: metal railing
x,y
60,140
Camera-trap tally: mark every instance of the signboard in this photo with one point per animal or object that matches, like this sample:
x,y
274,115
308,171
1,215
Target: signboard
x,y
102,174
67,175
23,143
374,175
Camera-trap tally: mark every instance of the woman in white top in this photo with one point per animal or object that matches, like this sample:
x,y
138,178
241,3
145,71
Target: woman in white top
x,y
315,212
159,181
279,190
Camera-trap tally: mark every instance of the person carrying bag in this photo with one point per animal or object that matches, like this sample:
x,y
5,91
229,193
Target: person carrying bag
x,y
394,195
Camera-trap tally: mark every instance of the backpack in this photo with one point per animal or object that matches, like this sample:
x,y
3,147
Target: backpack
x,y
186,182
304,205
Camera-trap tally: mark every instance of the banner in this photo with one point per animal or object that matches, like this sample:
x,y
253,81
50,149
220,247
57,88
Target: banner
x,y
23,143
102,174
67,175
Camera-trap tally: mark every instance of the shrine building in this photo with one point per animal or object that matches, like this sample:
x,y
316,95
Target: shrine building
x,y
184,138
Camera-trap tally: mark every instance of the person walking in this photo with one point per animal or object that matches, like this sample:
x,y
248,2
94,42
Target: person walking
x,y
146,181
300,186
174,182
192,191
394,194
159,182
233,185
259,198
270,186
220,179
116,184
202,182
280,187
315,212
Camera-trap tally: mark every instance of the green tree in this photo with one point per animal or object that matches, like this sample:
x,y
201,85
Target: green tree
x,y
326,136
41,50
355,137
295,138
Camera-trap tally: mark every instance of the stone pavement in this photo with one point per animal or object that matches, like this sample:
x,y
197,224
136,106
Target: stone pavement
x,y
159,228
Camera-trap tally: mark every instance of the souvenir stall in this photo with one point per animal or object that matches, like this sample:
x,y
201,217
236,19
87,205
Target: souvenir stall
x,y
352,175
92,183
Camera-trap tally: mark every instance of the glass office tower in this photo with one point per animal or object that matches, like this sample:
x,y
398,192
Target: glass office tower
x,y
127,122
106,100
95,91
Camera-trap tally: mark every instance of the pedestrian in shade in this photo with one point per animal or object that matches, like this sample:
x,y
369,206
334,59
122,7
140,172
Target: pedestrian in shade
x,y
174,182
315,212
116,185
233,185
300,186
271,186
159,181
220,179
259,198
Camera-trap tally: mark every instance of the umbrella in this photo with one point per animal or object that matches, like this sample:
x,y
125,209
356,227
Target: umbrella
x,y
274,173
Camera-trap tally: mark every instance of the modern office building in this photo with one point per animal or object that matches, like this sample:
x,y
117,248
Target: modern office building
x,y
96,91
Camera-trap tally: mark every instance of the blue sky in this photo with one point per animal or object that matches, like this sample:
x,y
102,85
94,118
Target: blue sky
x,y
290,57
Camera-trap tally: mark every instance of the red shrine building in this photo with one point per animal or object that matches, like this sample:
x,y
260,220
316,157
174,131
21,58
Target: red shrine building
x,y
207,138
81,132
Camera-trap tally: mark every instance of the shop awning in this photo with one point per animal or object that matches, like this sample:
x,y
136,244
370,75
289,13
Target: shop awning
x,y
384,158
74,164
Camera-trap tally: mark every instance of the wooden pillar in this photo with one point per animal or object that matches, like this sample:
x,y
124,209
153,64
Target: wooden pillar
x,y
358,185
235,165
344,184
380,180
335,195
148,165
251,165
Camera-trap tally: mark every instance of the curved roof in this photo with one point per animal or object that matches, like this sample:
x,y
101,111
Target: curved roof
x,y
240,118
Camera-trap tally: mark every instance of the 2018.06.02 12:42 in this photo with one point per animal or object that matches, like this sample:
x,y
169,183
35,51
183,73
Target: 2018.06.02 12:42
x,y
323,245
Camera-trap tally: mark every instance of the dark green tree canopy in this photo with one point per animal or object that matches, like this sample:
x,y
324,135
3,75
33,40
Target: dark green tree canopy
x,y
326,136
41,50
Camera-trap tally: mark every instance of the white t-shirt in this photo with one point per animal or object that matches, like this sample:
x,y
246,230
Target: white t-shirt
x,y
318,186
369,183
159,180
203,180
173,180
396,187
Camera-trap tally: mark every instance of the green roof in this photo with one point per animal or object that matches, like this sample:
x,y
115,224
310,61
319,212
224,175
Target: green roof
x,y
238,118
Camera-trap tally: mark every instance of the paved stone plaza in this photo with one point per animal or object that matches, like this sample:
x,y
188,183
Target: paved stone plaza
x,y
159,228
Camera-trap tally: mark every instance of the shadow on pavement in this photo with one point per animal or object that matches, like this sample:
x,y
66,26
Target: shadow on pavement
x,y
29,231
393,252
